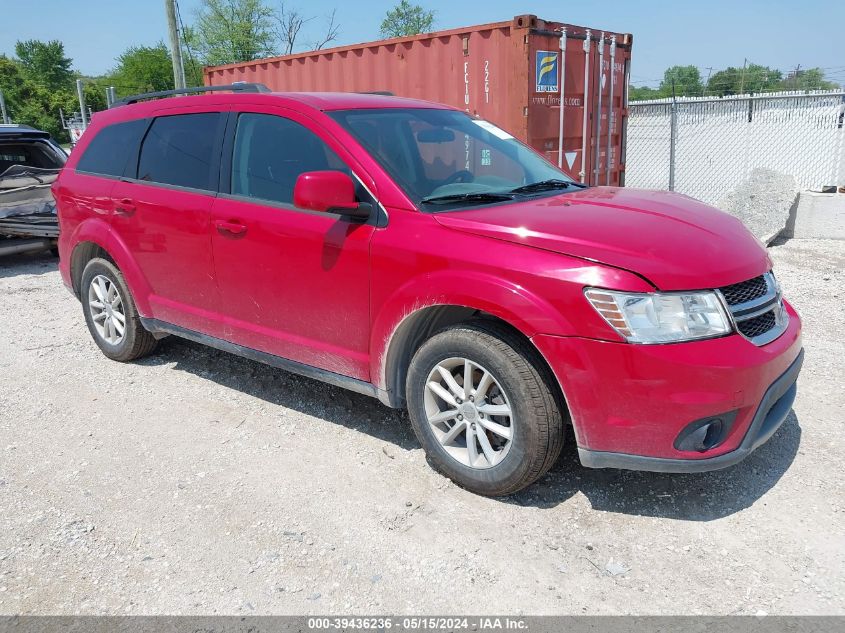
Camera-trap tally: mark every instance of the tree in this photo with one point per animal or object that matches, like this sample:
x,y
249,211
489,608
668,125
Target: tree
x,y
750,78
290,23
45,63
686,81
228,31
143,69
406,19
332,32
642,93
33,104
810,79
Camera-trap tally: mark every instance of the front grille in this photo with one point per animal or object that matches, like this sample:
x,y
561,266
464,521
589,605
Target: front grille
x,y
757,325
745,291
757,308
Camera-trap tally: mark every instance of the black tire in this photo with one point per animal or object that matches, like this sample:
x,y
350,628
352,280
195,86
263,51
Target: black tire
x,y
136,341
538,415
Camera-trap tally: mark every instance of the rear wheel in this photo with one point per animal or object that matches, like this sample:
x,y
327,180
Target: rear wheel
x,y
483,408
110,313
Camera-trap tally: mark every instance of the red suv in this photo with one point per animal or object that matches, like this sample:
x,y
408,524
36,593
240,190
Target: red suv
x,y
411,252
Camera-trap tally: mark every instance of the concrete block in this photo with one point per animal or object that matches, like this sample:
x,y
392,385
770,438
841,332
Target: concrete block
x,y
763,202
819,216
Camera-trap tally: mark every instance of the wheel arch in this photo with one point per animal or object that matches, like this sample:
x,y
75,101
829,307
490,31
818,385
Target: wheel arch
x,y
95,239
424,322
83,253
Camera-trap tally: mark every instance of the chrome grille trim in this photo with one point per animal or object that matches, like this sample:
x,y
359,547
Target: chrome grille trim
x,y
769,302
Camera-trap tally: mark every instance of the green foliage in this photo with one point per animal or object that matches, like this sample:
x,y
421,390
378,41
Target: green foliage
x,y
642,93
31,100
686,81
810,79
751,78
228,31
754,78
25,100
28,102
45,63
406,19
143,69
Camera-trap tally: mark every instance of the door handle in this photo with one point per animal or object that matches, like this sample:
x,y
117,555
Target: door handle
x,y
230,228
125,206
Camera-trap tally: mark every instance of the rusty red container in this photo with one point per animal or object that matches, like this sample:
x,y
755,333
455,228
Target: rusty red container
x,y
515,74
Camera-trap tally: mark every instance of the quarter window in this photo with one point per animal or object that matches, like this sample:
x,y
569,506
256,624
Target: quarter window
x,y
110,151
178,150
271,152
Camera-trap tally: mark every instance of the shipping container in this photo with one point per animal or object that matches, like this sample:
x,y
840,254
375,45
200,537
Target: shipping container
x,y
515,74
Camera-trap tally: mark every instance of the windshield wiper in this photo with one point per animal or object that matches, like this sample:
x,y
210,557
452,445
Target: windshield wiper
x,y
547,185
479,196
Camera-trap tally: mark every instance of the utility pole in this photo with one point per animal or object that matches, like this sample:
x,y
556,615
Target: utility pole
x,y
742,81
3,112
175,46
796,84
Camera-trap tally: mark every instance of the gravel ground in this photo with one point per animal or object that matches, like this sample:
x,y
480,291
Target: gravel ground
x,y
195,482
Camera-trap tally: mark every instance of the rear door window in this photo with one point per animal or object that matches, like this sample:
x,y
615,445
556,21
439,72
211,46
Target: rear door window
x,y
113,151
179,150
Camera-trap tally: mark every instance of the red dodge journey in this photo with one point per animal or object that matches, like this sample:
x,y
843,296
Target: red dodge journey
x,y
411,252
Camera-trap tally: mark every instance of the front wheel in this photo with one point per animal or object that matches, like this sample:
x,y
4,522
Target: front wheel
x,y
483,407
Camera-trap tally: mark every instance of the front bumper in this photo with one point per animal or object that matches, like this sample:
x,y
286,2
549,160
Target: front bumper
x,y
629,403
772,412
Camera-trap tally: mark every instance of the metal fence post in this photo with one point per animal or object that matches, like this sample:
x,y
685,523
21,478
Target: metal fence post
x,y
673,140
839,179
81,94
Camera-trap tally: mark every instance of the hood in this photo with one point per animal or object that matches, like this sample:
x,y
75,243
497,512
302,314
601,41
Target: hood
x,y
675,242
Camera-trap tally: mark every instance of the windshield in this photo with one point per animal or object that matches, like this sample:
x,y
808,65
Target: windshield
x,y
445,159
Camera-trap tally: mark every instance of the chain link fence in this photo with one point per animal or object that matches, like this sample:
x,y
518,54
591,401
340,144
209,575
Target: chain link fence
x,y
704,147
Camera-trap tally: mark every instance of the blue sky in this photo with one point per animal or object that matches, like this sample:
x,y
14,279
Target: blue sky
x,y
708,33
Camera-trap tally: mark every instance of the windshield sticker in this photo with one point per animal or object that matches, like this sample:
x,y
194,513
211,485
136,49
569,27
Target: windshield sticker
x,y
485,157
495,131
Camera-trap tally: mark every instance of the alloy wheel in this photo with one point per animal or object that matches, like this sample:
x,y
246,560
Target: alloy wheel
x,y
469,413
107,312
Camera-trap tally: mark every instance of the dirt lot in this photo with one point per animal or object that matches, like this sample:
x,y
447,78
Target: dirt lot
x,y
198,482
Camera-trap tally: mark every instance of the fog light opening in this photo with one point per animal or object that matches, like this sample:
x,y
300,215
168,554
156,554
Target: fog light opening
x,y
713,435
704,435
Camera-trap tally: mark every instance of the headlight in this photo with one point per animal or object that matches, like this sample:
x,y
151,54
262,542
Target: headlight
x,y
661,318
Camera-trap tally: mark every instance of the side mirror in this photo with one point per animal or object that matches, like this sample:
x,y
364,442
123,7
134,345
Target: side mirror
x,y
329,191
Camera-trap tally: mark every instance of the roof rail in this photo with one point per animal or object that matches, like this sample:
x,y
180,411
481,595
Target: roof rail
x,y
240,86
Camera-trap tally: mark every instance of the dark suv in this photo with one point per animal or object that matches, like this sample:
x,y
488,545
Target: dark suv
x,y
29,164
